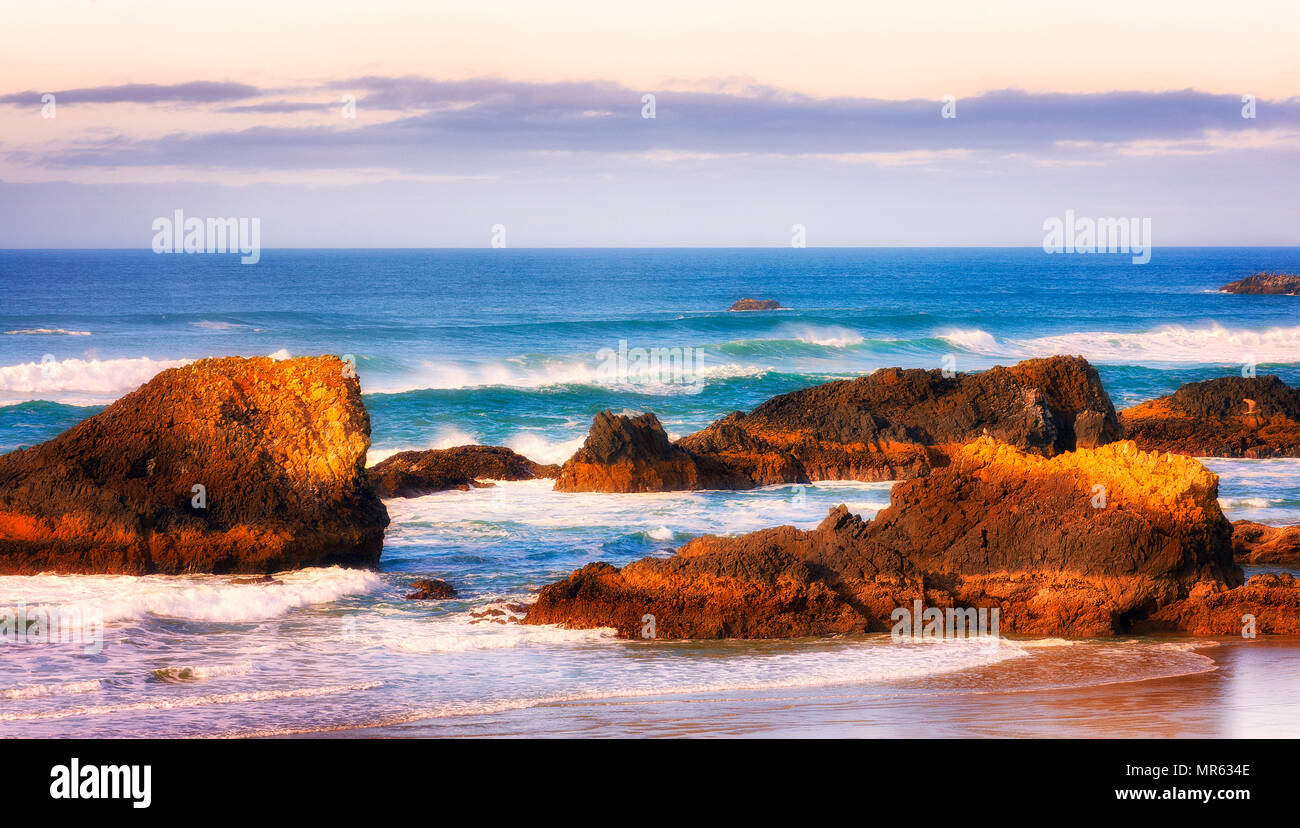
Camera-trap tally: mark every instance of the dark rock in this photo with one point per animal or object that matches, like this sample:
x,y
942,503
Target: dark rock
x,y
432,589
892,424
1225,417
755,305
416,473
1261,283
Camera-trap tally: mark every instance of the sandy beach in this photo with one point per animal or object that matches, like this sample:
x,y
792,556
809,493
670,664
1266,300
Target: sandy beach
x,y
1231,689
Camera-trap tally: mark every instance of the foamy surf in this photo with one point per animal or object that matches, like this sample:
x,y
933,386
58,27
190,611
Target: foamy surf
x,y
211,598
201,672
74,380
46,332
464,632
1210,344
535,503
67,688
188,702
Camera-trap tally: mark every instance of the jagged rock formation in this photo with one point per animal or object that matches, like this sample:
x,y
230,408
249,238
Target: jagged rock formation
x,y
416,473
1090,543
893,424
1272,283
223,465
1225,417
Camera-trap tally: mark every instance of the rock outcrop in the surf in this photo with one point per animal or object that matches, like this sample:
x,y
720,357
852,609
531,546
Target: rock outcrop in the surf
x,y
1088,543
1266,283
633,454
1224,417
1254,544
224,465
755,305
416,473
431,589
892,424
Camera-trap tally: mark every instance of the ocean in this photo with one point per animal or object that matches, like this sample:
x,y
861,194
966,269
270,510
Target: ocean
x,y
510,347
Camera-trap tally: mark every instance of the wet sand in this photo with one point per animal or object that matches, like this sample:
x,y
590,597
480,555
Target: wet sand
x,y
1228,688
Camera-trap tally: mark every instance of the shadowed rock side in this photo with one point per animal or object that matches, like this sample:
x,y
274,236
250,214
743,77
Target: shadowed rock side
x,y
1225,417
1274,283
999,527
755,305
634,454
416,473
893,424
1256,544
279,448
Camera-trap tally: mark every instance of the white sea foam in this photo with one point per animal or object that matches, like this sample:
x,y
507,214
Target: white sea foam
x,y
201,672
436,517
1205,344
974,339
67,688
530,444
673,669
79,378
189,701
93,381
537,448
46,332
829,336
465,633
212,598
554,372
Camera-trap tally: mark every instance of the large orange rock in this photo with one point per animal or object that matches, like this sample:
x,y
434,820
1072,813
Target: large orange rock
x,y
890,425
1225,417
223,465
1088,543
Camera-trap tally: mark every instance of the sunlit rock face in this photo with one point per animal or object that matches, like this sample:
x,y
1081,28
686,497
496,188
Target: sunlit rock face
x,y
222,465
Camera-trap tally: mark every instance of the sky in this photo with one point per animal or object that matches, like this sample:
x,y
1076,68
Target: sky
x,y
427,124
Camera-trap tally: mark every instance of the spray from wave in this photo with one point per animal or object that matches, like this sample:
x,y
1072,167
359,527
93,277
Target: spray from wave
x,y
1209,344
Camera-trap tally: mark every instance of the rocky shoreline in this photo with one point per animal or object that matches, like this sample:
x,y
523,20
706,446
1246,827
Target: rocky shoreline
x,y
893,424
1000,528
1018,492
